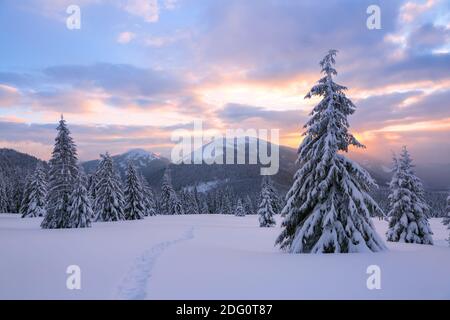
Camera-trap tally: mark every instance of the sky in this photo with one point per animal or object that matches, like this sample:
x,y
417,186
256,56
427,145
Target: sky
x,y
137,70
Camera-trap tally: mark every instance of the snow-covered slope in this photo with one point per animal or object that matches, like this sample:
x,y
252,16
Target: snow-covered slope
x,y
206,257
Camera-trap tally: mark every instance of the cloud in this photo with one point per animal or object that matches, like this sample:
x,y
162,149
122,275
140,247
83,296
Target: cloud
x,y
120,79
412,9
380,111
428,37
244,116
87,89
9,96
147,9
125,37
170,4
268,38
165,40
17,79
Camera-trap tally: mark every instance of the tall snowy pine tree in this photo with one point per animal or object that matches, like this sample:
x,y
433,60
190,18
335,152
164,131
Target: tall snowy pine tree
x,y
36,200
170,203
80,208
134,195
328,207
61,178
408,209
109,200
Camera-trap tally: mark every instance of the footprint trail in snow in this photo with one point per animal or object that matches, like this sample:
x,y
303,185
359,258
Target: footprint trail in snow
x,y
134,285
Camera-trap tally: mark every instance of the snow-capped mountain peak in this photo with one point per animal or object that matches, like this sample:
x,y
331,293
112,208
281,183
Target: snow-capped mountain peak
x,y
139,154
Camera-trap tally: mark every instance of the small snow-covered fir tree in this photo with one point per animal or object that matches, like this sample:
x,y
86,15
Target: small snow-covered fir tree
x,y
80,208
170,203
189,201
239,211
204,208
408,209
216,204
91,184
248,205
3,194
25,203
61,179
328,207
276,202
149,198
109,201
226,204
446,220
36,201
196,201
134,195
265,208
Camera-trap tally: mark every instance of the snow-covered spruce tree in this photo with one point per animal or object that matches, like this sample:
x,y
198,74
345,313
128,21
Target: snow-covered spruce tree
x,y
217,201
277,204
36,201
61,178
91,184
204,208
265,209
80,208
275,198
408,209
239,211
226,204
248,205
196,201
149,198
446,220
189,201
24,204
328,207
109,201
134,195
170,203
3,194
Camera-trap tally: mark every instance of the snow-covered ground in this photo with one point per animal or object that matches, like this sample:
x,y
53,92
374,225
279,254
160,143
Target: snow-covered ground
x,y
205,257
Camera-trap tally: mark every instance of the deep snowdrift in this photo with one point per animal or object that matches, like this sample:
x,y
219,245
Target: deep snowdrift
x,y
205,257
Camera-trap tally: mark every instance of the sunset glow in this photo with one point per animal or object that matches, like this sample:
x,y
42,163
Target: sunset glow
x,y
131,77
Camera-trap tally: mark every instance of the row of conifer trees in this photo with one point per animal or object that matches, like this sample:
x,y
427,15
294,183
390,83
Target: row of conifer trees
x,y
71,200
